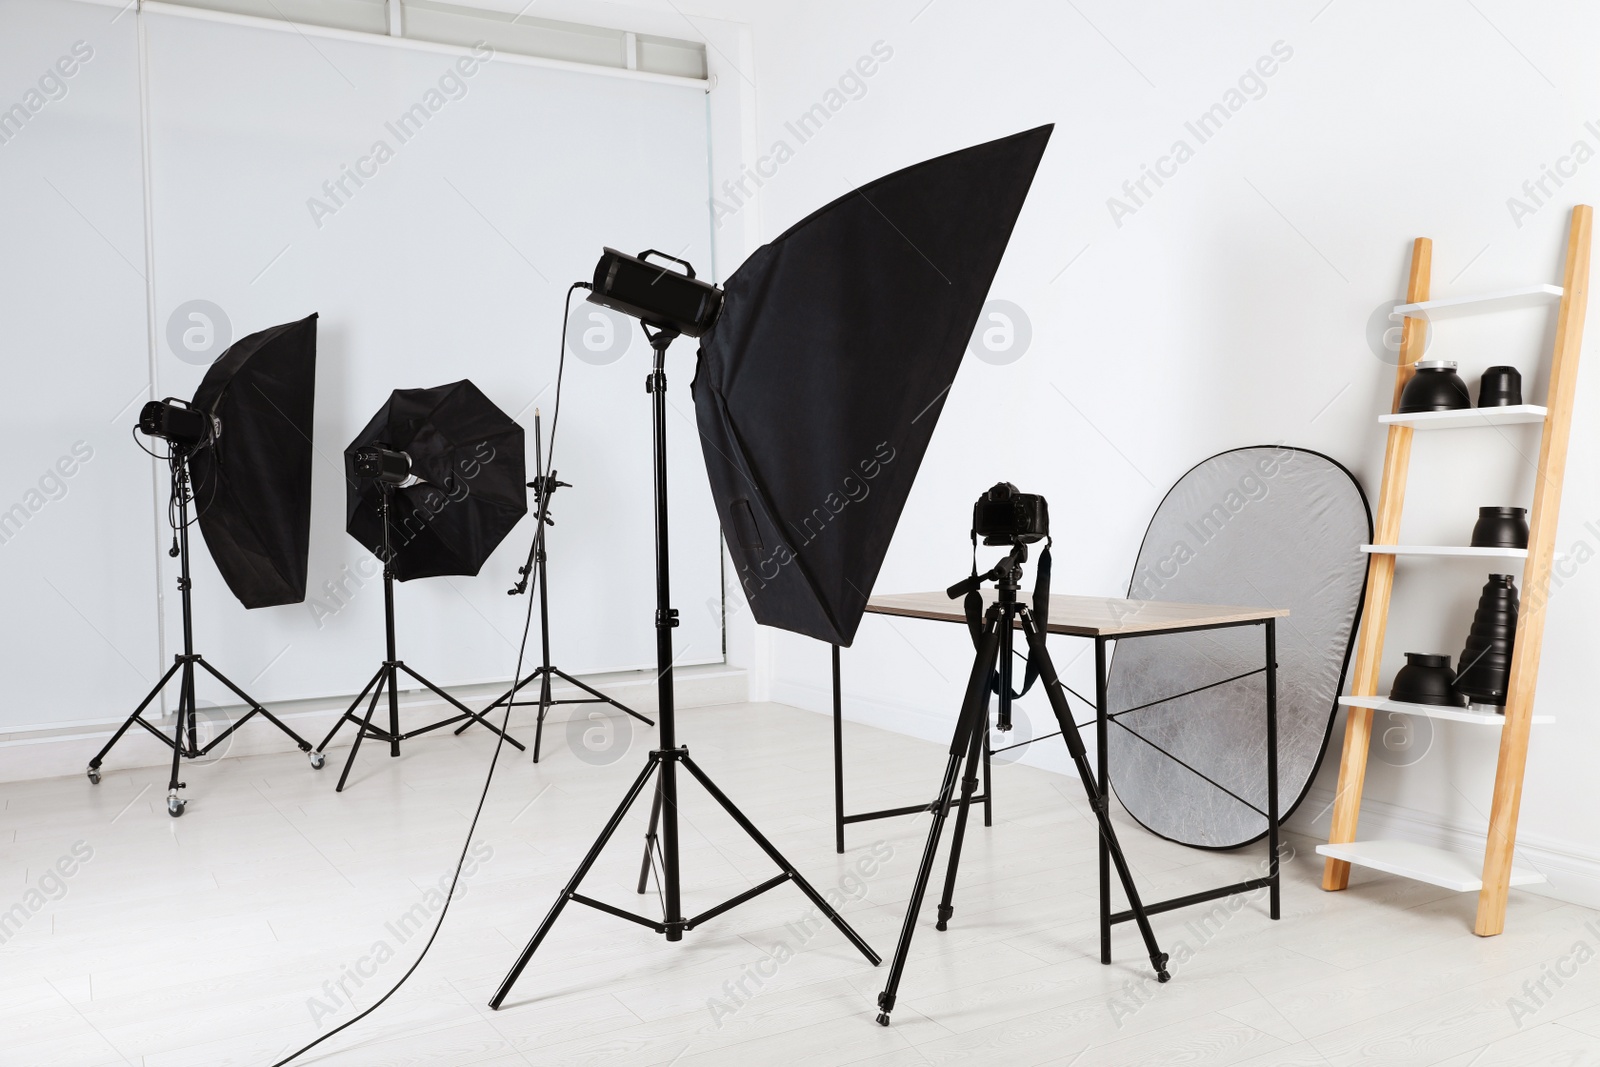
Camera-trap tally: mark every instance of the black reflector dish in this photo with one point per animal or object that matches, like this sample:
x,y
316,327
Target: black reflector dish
x,y
820,384
1266,527
252,484
467,457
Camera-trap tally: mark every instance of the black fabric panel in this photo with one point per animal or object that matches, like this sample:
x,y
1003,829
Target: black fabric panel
x,y
252,485
819,386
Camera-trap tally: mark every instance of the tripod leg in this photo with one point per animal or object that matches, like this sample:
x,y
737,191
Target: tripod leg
x,y
777,857
508,695
473,716
386,678
255,709
968,721
650,841
592,691
350,712
1097,799
969,785
577,877
99,757
988,782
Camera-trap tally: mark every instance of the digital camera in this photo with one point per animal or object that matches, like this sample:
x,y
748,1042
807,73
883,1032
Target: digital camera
x,y
1005,516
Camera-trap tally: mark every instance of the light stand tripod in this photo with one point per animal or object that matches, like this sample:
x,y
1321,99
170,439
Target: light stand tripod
x,y
185,740
388,676
663,762
994,647
544,488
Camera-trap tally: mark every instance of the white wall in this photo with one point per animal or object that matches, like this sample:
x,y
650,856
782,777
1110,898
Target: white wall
x,y
451,262
78,558
1232,306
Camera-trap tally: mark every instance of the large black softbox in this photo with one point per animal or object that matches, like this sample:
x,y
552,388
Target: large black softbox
x,y
820,384
252,485
469,457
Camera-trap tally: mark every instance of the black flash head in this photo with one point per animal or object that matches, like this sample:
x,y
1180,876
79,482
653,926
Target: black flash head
x,y
384,465
654,294
176,423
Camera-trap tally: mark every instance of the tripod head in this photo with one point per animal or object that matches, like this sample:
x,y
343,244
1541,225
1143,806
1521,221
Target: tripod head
x,y
1007,574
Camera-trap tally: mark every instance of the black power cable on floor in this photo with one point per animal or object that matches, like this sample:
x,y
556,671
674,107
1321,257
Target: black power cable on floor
x,y
505,722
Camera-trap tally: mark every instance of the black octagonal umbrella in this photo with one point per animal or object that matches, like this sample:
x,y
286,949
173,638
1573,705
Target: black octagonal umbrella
x,y
469,488
456,491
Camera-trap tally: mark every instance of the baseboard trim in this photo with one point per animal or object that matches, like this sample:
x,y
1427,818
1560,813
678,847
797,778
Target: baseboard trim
x,y
33,753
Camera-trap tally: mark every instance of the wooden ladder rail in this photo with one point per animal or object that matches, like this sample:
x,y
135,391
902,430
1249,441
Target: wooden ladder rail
x,y
1380,582
1546,510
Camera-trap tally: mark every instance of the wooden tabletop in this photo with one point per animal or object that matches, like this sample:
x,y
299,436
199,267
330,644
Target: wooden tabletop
x,y
1083,616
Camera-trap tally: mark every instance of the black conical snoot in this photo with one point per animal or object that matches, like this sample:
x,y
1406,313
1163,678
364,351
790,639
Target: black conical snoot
x,y
1486,659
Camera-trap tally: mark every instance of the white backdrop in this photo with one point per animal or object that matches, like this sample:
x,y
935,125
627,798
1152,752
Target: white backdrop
x,y
450,260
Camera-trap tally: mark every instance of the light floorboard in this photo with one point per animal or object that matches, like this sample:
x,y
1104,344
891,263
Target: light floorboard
x,y
229,937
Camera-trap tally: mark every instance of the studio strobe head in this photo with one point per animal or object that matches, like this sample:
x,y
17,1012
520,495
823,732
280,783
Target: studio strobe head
x,y
176,422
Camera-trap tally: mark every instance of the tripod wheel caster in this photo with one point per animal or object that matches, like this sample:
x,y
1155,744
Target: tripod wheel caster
x,y
317,759
883,1018
1163,976
941,925
175,806
94,775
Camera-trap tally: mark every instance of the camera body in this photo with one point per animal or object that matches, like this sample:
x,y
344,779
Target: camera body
x,y
1005,516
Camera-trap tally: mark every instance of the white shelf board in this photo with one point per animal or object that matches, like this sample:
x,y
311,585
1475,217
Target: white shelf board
x,y
1499,300
1445,550
1423,863
1435,711
1468,418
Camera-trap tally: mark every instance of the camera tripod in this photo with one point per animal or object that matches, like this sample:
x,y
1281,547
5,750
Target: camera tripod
x,y
662,763
995,647
544,488
388,676
185,740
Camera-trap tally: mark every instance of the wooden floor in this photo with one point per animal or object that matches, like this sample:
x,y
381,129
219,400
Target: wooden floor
x,y
249,926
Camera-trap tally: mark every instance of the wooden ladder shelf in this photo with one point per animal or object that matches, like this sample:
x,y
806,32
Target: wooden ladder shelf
x,y
1431,865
